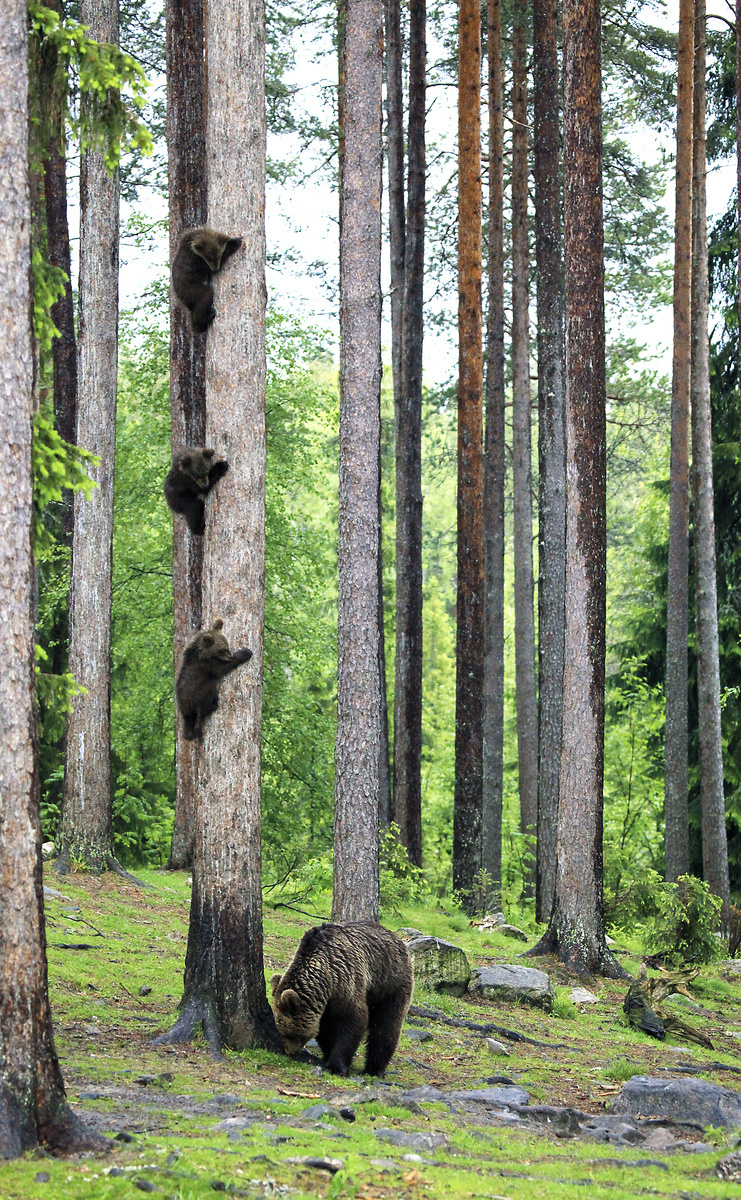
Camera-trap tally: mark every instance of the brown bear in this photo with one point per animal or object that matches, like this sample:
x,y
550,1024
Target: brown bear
x,y
345,980
207,659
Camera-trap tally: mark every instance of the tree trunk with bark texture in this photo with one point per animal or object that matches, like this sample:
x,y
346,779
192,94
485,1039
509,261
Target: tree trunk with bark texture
x,y
676,822
395,154
186,142
714,838
552,449
522,508
33,1106
358,692
738,162
408,689
576,931
469,685
85,829
494,476
224,980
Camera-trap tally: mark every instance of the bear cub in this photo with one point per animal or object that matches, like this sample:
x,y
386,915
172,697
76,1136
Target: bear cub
x,y
344,981
200,254
192,475
206,660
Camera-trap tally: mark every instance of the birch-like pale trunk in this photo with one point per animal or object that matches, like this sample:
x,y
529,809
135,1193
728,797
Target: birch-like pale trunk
x,y
33,1107
522,482
355,893
712,796
470,629
408,680
85,833
494,475
186,153
552,449
224,985
676,821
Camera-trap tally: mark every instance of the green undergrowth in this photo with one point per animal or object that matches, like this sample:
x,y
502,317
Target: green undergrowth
x,y
164,1098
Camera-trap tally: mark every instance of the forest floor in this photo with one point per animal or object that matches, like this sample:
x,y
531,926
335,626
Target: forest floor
x,y
164,1106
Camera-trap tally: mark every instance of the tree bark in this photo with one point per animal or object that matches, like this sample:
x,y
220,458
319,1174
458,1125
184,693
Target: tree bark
x,y
395,155
522,507
358,691
714,838
224,980
469,687
33,1105
738,163
552,449
576,929
408,689
85,828
494,476
676,825
186,143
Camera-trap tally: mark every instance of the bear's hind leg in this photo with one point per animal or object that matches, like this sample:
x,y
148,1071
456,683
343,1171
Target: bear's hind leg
x,y
348,1025
385,1020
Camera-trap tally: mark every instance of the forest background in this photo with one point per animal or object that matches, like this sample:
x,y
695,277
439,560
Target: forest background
x,y
302,431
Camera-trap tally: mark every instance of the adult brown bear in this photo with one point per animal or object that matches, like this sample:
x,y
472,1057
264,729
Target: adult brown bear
x,y
344,981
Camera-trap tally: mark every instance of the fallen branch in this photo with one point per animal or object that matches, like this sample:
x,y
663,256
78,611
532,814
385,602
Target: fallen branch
x,y
436,1014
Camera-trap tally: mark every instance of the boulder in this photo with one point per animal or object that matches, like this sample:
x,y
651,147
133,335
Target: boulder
x,y
493,1097
582,995
729,1168
439,965
508,983
415,1141
686,1101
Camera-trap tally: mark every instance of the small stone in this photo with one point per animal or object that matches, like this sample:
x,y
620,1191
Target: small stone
x,y
47,852
407,932
319,1164
144,990
316,1111
225,1098
172,1158
412,1158
418,1035
166,1077
424,1094
145,1080
385,1164
347,1114
123,1136
495,1047
580,995
415,1141
91,1095
91,1030
218,1185
116,1172
144,1185
511,931
41,1177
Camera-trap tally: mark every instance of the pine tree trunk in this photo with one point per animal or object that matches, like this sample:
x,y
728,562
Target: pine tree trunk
x,y
408,688
224,979
676,826
576,929
85,829
714,838
522,508
358,691
552,449
738,164
385,808
469,687
395,155
186,143
494,477
33,1106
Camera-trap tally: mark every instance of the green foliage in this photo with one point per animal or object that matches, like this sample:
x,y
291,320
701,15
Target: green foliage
x,y
564,1007
401,882
49,283
57,465
619,1070
680,920
111,82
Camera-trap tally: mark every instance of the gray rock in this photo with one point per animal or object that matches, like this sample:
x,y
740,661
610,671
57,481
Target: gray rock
x,y
316,1111
495,1047
319,1164
234,1124
423,1094
582,995
41,1177
385,1164
508,983
225,1098
564,1120
439,965
689,1101
728,1168
406,932
145,989
414,1141
418,1035
47,851
496,1097
512,931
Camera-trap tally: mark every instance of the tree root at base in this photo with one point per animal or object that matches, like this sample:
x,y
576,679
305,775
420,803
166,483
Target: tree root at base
x,y
196,1012
109,862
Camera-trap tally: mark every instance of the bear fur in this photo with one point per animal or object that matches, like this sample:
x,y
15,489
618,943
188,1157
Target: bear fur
x,y
192,475
344,981
206,660
199,255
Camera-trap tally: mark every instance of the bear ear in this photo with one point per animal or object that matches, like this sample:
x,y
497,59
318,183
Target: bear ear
x,y
207,640
290,1002
218,624
208,453
274,981
186,461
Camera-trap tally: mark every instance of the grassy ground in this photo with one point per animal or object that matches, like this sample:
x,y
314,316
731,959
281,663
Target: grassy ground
x,y
166,1102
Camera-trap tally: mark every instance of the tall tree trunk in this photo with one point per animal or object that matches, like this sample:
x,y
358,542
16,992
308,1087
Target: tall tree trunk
x,y
408,689
714,838
522,509
676,826
395,153
738,173
85,830
576,929
552,449
494,476
224,979
385,806
358,692
186,144
33,1106
469,684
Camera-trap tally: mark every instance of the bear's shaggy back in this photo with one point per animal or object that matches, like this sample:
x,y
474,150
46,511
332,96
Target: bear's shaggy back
x,y
346,959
